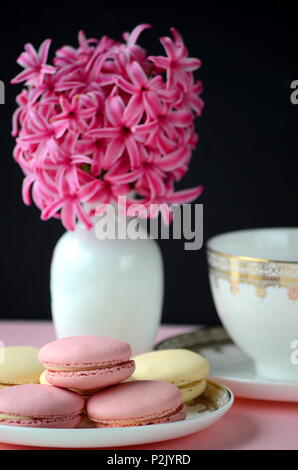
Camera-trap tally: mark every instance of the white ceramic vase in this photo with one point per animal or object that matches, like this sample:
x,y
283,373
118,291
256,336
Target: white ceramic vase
x,y
110,287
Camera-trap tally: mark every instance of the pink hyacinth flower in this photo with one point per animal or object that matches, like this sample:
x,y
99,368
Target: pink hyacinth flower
x,y
34,64
106,119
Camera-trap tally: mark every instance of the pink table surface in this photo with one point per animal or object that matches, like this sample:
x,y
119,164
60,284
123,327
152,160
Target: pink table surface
x,y
249,425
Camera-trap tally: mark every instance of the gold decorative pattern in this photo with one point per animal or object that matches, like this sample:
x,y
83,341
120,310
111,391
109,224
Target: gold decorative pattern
x,y
259,273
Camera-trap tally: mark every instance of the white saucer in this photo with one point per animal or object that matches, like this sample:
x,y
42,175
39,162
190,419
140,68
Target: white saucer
x,y
231,367
115,437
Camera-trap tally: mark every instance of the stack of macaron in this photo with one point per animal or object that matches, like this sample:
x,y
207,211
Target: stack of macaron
x,y
92,381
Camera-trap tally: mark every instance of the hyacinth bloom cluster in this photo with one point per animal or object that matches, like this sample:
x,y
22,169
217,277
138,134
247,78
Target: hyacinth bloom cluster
x,y
104,120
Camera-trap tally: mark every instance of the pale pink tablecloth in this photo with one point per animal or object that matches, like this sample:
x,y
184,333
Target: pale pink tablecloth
x,y
250,424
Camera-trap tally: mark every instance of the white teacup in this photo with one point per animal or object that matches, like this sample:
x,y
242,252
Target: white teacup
x,y
254,281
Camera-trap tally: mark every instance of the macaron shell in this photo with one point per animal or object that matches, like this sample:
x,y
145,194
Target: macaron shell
x,y
36,400
59,422
90,379
176,416
85,350
194,390
177,366
21,366
134,400
85,394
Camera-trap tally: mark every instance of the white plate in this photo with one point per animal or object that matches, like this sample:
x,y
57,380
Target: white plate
x,y
113,437
231,367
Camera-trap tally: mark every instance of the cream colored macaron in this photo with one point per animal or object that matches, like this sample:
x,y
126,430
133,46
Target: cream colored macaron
x,y
186,369
20,366
42,379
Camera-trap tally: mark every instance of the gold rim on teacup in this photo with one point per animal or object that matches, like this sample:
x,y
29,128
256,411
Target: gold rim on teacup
x,y
259,272
248,258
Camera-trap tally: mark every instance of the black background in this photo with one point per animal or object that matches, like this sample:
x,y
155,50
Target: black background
x,y
247,157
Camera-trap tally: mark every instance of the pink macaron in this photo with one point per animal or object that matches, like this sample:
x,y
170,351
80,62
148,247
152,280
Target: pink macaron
x,y
86,363
41,406
136,404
